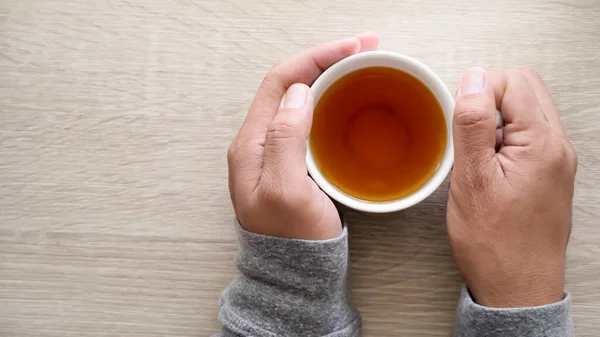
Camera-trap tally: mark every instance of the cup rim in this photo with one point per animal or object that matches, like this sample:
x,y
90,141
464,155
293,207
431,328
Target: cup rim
x,y
432,81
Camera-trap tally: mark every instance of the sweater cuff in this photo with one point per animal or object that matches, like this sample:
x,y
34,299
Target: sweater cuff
x,y
290,287
552,320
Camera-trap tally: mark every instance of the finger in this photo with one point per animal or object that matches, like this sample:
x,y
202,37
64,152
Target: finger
x,y
474,122
499,81
285,142
543,98
368,41
514,95
247,157
520,108
304,68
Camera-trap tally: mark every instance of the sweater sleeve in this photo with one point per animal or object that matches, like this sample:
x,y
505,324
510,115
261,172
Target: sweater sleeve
x,y
474,320
290,288
300,288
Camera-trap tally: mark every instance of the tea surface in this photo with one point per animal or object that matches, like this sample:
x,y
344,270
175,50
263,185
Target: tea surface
x,y
378,134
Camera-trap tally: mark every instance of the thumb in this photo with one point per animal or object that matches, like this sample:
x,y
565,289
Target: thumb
x,y
285,142
474,123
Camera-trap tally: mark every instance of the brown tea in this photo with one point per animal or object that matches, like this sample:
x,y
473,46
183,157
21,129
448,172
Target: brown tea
x,y
378,134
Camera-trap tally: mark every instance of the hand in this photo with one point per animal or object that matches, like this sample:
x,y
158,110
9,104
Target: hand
x,y
509,212
270,189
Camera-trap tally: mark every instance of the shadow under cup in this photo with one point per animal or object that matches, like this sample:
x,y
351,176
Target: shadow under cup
x,y
381,136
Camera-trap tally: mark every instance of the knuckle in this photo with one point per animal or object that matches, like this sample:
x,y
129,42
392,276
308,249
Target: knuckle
x,y
235,154
512,73
563,157
470,112
274,72
240,154
516,76
561,154
530,73
231,153
282,129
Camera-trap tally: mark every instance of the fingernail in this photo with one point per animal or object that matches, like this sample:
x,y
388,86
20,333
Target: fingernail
x,y
473,81
295,97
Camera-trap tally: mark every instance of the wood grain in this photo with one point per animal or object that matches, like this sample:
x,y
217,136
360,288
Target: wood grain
x,y
116,116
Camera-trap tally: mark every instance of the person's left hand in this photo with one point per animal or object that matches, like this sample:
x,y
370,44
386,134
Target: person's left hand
x,y
270,189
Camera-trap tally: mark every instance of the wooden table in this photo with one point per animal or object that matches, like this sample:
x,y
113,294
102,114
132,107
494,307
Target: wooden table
x,y
115,116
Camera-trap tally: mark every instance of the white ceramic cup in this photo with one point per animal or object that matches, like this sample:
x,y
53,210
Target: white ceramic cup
x,y
435,85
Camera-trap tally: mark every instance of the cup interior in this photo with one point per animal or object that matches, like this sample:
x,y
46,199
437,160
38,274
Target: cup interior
x,y
418,70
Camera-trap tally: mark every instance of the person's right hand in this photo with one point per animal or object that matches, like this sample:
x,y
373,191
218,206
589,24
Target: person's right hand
x,y
509,212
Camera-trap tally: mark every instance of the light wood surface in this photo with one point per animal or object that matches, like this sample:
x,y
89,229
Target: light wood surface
x,y
115,116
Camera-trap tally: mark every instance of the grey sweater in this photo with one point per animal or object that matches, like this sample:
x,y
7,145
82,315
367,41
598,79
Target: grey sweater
x,y
300,288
